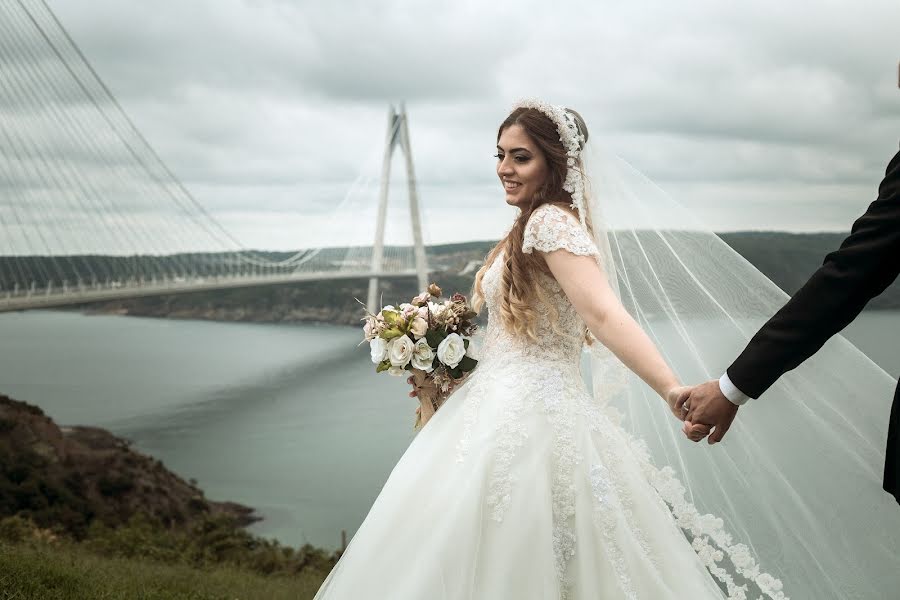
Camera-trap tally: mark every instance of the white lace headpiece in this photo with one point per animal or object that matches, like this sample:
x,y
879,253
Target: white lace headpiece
x,y
572,140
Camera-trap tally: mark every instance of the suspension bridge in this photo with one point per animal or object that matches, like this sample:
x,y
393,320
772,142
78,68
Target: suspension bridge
x,y
90,212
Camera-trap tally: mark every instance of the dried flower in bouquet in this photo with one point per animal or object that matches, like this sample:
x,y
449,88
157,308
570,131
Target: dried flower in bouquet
x,y
428,338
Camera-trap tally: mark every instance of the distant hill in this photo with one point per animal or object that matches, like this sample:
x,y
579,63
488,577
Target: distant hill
x,y
788,259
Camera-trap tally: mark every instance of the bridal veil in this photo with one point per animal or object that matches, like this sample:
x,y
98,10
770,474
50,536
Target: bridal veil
x,y
794,492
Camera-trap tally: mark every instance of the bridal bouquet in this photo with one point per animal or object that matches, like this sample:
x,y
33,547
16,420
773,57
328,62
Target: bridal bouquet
x,y
428,338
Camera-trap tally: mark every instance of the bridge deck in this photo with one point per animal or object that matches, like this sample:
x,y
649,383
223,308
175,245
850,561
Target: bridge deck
x,y
83,295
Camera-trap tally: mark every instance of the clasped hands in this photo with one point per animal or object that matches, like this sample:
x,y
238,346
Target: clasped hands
x,y
704,410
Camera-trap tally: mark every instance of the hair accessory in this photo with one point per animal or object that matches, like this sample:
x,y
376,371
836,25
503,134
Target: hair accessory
x,y
572,140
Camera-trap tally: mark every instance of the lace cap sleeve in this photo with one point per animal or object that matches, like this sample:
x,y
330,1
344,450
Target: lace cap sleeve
x,y
550,228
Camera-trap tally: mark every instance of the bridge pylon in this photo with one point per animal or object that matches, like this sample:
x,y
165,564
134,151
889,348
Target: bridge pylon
x,y
397,135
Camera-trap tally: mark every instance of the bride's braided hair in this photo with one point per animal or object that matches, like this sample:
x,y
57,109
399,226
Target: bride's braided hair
x,y
519,292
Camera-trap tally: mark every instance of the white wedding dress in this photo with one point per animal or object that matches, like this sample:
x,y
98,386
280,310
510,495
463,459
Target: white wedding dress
x,y
521,486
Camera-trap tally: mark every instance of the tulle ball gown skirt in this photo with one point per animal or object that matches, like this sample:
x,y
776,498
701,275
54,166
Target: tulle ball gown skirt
x,y
520,487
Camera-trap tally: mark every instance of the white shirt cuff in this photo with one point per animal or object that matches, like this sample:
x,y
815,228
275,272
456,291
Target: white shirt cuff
x,y
730,391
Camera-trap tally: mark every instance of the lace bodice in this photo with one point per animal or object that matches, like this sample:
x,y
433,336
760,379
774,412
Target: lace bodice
x,y
549,228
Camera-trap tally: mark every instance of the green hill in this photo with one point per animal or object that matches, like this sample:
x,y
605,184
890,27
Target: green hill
x,y
83,515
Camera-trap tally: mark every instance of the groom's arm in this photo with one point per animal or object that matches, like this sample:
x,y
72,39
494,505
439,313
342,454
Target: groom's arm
x,y
866,263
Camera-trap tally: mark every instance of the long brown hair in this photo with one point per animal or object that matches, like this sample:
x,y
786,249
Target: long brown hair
x,y
518,282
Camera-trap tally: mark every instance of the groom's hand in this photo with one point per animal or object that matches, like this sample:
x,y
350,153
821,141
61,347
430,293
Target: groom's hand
x,y
675,398
708,405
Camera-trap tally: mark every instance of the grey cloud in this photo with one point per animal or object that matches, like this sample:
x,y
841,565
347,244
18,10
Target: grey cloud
x,y
268,108
349,51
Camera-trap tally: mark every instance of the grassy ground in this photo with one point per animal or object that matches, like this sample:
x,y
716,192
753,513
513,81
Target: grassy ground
x,y
65,571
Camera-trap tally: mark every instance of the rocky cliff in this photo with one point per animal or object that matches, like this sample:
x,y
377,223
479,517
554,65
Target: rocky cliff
x,y
68,477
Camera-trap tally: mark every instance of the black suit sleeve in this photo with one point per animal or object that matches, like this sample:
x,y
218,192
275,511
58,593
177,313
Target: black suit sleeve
x,y
866,263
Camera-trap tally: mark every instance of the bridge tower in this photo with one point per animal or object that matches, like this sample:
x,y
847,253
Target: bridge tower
x,y
397,135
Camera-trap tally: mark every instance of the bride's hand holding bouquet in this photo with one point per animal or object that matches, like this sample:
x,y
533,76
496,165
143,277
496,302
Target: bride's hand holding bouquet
x,y
430,339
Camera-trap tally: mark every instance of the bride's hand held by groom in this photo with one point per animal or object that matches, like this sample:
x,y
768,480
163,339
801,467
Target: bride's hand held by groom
x,y
675,398
706,404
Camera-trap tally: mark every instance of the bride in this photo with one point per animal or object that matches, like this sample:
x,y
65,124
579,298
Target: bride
x,y
529,484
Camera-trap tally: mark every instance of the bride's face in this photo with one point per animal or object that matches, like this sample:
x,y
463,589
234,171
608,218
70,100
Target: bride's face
x,y
521,166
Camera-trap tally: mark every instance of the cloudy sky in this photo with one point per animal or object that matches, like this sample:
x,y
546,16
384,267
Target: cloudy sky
x,y
753,115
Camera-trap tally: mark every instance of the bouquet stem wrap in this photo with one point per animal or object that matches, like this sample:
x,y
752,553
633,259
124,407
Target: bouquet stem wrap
x,y
428,395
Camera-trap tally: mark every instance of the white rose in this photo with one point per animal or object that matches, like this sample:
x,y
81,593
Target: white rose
x,y
396,371
400,350
378,348
451,350
423,356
